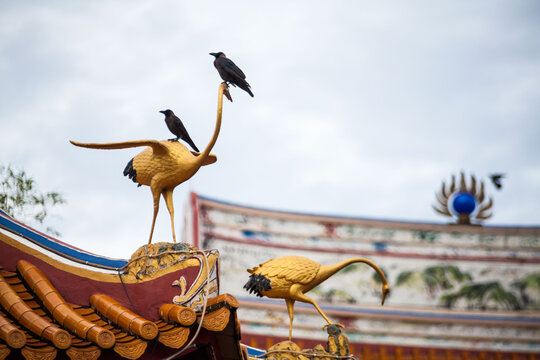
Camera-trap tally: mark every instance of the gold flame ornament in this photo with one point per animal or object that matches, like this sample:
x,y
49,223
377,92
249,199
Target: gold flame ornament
x,y
464,201
165,164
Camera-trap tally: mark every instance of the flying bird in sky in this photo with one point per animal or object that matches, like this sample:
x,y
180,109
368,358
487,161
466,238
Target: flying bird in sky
x,y
177,128
231,73
496,180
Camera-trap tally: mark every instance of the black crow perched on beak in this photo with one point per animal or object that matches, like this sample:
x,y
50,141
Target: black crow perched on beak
x,y
230,73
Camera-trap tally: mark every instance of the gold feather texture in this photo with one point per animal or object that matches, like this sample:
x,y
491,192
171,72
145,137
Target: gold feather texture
x,y
290,277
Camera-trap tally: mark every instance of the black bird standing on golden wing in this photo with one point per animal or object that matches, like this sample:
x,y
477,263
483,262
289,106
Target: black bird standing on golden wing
x,y
231,73
177,128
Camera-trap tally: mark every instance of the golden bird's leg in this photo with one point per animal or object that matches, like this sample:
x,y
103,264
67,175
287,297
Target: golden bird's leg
x,y
167,195
155,195
303,298
290,307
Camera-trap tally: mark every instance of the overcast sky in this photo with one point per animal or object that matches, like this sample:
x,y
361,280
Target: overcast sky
x,y
361,108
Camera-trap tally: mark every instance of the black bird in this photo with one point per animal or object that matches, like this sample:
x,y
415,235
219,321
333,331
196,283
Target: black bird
x,y
230,72
496,180
177,128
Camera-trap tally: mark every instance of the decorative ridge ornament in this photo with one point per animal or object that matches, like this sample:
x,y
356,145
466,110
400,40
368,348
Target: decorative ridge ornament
x,y
464,201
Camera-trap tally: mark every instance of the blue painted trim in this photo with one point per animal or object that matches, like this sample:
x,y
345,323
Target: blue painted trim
x,y
87,258
254,351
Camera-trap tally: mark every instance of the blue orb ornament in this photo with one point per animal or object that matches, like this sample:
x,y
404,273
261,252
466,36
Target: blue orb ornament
x,y
464,203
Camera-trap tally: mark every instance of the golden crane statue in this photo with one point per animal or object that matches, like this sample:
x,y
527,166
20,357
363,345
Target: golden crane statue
x,y
165,164
289,277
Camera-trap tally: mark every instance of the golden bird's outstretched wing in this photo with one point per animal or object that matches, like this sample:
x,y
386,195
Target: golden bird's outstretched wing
x,y
295,269
157,146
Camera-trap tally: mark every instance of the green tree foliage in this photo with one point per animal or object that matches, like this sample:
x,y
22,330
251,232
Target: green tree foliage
x,y
20,198
484,296
334,296
435,278
404,277
529,288
443,277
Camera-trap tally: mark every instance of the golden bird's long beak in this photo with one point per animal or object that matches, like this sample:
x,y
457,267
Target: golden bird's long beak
x,y
227,93
385,291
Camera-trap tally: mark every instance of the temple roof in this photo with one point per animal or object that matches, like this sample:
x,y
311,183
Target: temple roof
x,y
445,279
37,323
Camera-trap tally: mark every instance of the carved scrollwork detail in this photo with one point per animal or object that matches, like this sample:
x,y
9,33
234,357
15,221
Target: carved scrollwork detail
x,y
131,350
47,353
217,320
92,353
174,338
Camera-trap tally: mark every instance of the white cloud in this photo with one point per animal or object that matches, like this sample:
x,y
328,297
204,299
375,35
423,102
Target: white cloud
x,y
360,108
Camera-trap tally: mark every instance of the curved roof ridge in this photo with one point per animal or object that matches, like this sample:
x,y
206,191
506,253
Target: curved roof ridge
x,y
321,217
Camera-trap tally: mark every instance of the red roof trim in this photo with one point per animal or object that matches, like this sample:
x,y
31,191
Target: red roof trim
x,y
375,253
195,213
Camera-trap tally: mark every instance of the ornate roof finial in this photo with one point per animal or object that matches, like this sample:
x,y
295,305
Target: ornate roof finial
x,y
463,202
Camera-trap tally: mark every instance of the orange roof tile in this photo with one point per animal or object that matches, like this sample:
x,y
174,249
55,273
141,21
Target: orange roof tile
x,y
29,304
28,318
179,314
61,311
14,337
124,318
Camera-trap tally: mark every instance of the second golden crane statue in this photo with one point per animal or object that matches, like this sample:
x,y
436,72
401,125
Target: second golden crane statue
x,y
165,164
290,277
